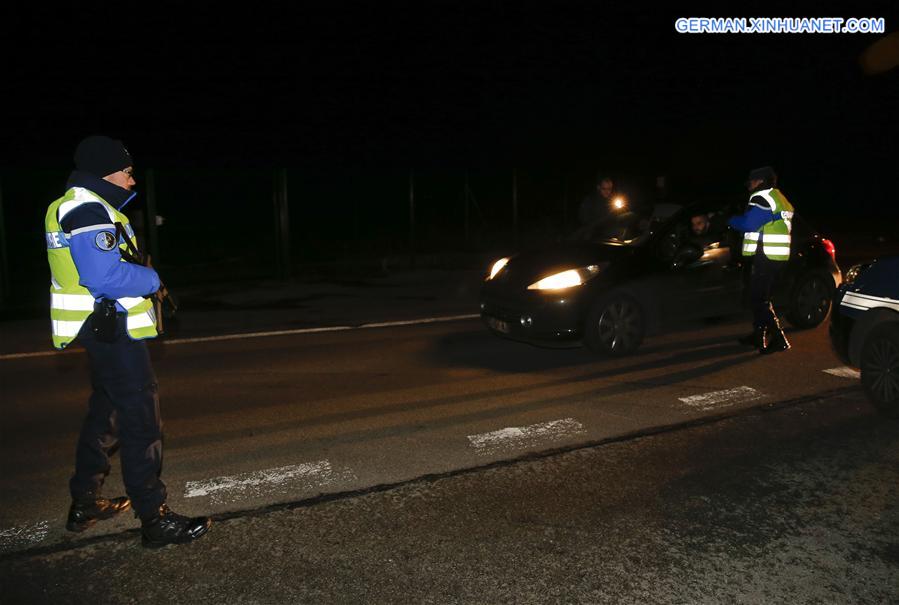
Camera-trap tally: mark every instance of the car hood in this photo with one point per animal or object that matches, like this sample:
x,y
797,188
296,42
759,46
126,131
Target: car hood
x,y
529,266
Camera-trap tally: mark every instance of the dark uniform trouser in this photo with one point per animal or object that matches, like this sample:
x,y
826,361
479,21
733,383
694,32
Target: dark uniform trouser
x,y
123,415
763,276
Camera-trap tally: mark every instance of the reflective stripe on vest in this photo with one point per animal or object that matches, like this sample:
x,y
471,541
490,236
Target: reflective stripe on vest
x,y
65,329
70,302
774,235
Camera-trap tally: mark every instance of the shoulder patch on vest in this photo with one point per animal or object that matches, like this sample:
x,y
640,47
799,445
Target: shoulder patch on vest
x,y
105,240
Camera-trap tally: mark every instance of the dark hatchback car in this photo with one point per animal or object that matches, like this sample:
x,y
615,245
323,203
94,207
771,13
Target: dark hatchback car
x,y
864,328
650,275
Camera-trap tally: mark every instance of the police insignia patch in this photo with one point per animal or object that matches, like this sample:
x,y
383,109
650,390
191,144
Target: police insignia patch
x,y
105,241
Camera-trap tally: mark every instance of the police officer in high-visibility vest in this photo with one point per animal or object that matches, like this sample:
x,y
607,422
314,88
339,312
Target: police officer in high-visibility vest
x,y
99,300
766,227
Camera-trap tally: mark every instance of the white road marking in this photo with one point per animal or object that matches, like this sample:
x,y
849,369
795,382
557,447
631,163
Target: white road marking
x,y
22,537
181,341
184,341
844,372
518,437
298,477
721,399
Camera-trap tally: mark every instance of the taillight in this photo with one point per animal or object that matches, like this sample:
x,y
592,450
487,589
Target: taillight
x,y
831,249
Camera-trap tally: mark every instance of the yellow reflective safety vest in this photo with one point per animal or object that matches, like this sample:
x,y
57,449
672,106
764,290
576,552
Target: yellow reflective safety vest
x,y
774,236
70,302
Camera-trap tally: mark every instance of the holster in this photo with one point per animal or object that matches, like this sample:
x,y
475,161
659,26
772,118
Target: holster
x,y
103,320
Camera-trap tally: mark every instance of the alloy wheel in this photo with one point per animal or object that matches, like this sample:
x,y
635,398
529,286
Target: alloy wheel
x,y
880,369
619,326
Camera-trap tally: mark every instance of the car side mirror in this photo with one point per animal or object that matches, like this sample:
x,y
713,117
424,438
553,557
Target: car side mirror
x,y
686,254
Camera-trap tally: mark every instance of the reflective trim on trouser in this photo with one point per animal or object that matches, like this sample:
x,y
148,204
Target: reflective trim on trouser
x,y
763,276
124,407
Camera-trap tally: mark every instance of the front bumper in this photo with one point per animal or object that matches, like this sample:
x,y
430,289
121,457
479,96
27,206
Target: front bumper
x,y
542,318
840,329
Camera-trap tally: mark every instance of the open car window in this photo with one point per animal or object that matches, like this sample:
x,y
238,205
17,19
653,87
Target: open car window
x,y
678,233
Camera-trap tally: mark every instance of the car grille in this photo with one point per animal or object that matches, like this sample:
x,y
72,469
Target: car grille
x,y
501,312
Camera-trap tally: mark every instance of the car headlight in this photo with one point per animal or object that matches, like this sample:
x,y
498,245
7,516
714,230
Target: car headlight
x,y
854,272
497,267
566,279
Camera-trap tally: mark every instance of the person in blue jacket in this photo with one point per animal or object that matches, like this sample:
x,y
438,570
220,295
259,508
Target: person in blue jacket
x,y
101,303
766,225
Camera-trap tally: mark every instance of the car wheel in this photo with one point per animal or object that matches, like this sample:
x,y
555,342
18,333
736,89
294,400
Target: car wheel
x,y
810,303
615,326
880,369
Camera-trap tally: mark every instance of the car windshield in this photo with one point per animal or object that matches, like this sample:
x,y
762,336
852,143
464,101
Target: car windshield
x,y
627,228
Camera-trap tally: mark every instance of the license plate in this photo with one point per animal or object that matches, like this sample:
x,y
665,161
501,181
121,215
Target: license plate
x,y
498,325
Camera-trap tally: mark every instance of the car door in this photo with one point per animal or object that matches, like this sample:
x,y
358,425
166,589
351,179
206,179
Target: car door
x,y
671,285
711,283
711,273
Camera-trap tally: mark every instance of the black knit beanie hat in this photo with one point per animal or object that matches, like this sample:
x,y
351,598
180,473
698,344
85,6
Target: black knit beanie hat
x,y
765,174
101,156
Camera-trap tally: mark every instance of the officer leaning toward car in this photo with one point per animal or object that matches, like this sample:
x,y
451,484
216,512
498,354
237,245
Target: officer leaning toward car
x,y
98,299
766,227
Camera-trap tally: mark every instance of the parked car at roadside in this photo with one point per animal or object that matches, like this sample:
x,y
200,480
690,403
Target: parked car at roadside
x,y
864,329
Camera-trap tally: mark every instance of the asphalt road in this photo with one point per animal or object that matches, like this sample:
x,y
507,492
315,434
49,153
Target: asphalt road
x,y
254,424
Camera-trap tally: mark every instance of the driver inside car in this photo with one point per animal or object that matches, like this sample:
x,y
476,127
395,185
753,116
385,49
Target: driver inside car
x,y
700,230
699,238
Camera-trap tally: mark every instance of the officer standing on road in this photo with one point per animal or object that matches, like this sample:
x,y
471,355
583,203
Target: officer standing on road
x,y
766,227
99,299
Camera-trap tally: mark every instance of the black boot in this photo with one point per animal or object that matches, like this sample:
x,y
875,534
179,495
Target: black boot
x,y
85,512
773,339
167,527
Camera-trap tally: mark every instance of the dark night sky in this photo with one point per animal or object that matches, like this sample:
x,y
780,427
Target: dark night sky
x,y
447,84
